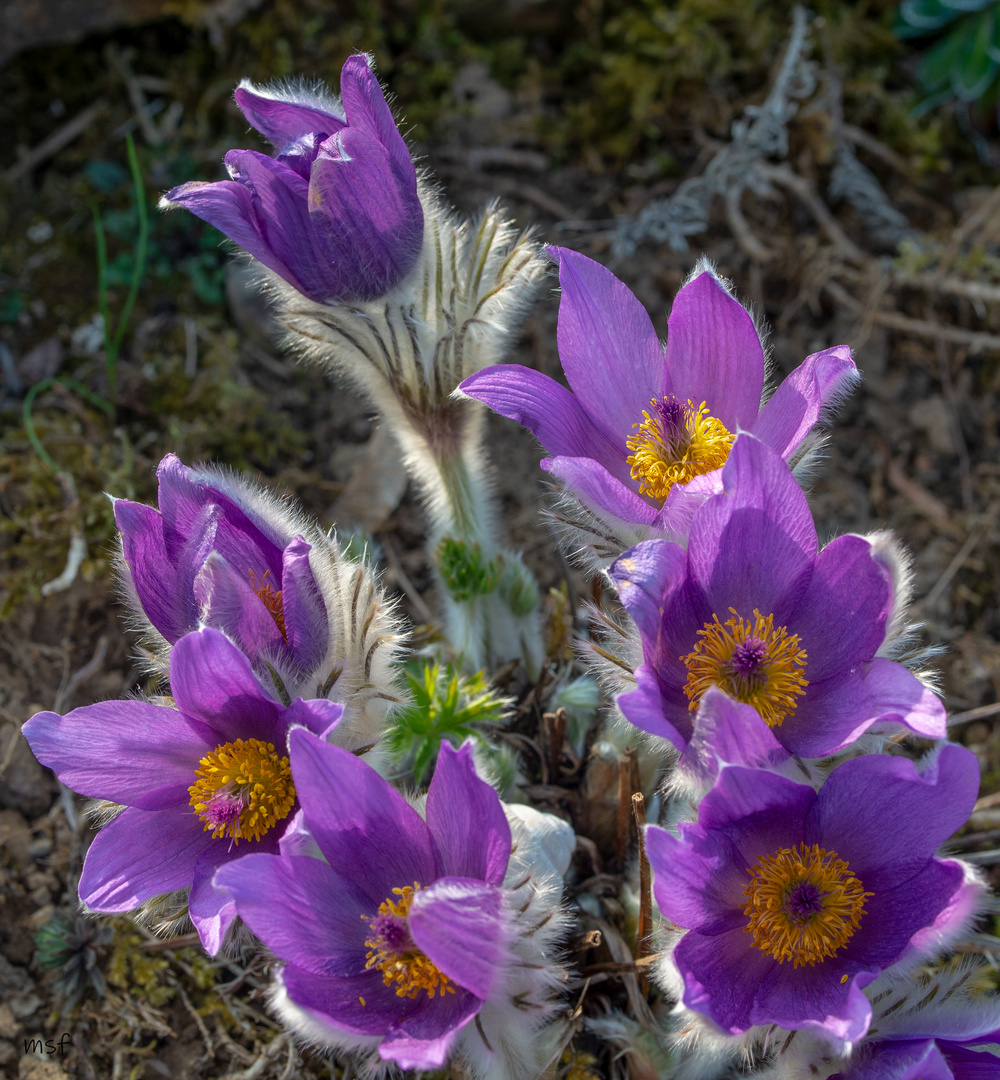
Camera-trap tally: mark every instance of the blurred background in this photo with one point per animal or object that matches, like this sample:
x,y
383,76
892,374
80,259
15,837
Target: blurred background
x,y
839,165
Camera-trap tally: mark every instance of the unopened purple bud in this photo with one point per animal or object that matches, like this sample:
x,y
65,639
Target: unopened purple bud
x,y
336,212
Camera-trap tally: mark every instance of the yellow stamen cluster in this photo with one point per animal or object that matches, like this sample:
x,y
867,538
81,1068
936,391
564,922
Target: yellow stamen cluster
x,y
271,599
770,684
242,789
668,451
409,971
804,904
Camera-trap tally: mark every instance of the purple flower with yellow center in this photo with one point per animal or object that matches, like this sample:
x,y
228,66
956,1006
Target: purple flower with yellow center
x,y
753,607
640,422
402,936
794,900
202,784
335,212
218,552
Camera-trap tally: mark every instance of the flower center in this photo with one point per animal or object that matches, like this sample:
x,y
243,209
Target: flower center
x,y
271,599
675,442
804,904
242,789
758,665
393,952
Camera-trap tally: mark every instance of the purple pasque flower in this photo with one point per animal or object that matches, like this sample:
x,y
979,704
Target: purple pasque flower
x,y
335,212
754,607
638,422
219,552
794,900
403,936
202,784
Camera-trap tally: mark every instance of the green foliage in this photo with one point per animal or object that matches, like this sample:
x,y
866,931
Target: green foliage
x,y
446,705
465,571
70,947
517,585
964,64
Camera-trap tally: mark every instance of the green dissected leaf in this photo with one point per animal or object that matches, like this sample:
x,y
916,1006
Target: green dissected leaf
x,y
445,705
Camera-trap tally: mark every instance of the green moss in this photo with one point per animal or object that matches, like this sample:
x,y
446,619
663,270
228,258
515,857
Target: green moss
x,y
141,974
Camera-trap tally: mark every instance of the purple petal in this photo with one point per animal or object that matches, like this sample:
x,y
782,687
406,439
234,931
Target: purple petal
x,y
163,589
683,502
727,732
129,752
894,915
233,209
608,347
466,821
842,615
281,121
317,715
367,111
753,546
838,710
457,924
860,796
306,622
214,682
228,602
360,1004
212,910
714,353
297,840
302,910
367,218
591,482
798,403
697,880
646,707
819,998
968,1064
738,986
364,827
549,411
908,1060
760,811
646,577
281,202
419,1033
140,854
424,1037
722,974
188,499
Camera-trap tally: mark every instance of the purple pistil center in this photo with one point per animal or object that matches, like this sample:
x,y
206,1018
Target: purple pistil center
x,y
804,900
671,415
392,933
224,808
748,656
